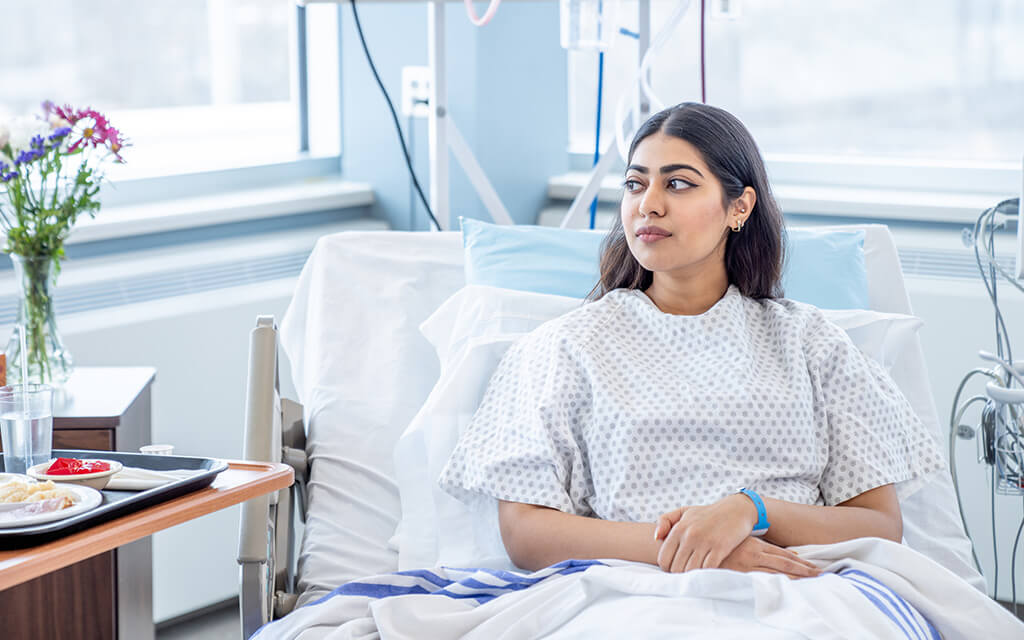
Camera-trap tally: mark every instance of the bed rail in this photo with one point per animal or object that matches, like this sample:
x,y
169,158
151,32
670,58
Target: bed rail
x,y
274,432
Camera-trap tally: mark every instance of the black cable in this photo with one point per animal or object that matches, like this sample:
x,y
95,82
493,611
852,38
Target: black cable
x,y
394,117
995,544
985,279
1013,566
410,128
995,295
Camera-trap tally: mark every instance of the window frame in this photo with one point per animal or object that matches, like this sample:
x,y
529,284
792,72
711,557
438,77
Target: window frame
x,y
142,196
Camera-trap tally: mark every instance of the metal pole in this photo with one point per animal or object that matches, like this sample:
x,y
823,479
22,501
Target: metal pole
x,y
437,125
643,43
302,77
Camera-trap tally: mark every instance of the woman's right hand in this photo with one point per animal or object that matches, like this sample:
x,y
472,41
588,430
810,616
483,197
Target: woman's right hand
x,y
755,554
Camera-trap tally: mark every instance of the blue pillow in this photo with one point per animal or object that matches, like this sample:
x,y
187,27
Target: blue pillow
x,y
823,268
826,268
561,262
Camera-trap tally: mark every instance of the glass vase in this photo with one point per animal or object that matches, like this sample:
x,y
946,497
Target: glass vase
x,y
47,360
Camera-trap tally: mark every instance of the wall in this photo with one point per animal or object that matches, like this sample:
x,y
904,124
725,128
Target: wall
x,y
508,95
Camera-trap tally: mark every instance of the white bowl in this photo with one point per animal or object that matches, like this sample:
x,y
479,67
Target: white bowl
x,y
96,480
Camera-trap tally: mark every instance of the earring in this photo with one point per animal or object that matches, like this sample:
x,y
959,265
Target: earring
x,y
739,226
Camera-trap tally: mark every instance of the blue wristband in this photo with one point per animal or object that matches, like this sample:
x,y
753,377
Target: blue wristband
x,y
762,524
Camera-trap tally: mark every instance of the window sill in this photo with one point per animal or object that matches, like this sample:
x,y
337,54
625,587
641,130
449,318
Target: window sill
x,y
845,202
307,196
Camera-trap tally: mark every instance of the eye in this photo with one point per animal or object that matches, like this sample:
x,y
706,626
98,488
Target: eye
x,y
631,185
678,184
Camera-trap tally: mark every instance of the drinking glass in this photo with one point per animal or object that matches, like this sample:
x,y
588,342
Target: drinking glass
x,y
26,425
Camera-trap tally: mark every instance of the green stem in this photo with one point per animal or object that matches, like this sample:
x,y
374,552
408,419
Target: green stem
x,y
38,305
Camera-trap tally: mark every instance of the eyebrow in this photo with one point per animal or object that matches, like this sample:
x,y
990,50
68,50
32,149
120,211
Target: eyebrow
x,y
669,168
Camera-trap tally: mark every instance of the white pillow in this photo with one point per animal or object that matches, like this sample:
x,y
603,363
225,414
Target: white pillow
x,y
471,331
361,369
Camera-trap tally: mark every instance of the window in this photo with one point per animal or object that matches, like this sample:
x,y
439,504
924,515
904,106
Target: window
x,y
912,85
196,85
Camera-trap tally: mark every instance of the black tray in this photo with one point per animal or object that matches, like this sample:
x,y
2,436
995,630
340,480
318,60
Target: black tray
x,y
116,503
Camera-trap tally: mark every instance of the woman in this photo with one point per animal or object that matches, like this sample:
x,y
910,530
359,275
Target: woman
x,y
689,416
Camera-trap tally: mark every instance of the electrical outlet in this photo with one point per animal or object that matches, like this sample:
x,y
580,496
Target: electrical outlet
x,y
416,92
725,9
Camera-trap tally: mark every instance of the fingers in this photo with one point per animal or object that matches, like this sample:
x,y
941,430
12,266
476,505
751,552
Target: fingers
x,y
794,556
713,560
662,527
696,560
666,522
791,566
681,559
667,553
782,573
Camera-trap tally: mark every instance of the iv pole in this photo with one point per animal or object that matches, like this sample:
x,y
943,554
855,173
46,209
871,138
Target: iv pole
x,y
443,135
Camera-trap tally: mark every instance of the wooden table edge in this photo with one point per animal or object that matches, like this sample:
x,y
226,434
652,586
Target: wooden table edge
x,y
66,551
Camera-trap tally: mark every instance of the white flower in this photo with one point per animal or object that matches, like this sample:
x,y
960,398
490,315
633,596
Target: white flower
x,y
23,129
56,122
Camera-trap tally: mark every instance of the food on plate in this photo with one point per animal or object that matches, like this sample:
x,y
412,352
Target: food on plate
x,y
74,466
22,491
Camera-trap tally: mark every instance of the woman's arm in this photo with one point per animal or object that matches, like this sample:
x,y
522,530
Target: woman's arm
x,y
536,537
702,537
872,514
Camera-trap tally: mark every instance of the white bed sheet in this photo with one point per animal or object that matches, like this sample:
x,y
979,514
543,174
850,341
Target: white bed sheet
x,y
362,369
871,588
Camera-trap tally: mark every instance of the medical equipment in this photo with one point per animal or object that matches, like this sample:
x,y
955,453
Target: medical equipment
x,y
444,135
999,434
588,24
363,370
1020,227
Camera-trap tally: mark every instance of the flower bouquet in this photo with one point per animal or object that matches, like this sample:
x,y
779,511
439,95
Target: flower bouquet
x,y
49,175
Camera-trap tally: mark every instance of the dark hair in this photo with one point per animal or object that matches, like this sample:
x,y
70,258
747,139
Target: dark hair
x,y
753,257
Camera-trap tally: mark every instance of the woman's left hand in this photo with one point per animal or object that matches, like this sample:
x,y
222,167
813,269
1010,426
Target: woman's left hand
x,y
702,537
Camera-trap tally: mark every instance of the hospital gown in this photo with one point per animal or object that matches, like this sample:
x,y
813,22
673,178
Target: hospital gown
x,y
621,411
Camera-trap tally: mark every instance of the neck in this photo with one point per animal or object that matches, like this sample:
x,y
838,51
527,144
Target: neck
x,y
687,296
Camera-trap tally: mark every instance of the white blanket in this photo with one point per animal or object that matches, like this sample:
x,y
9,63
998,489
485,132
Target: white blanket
x,y
871,589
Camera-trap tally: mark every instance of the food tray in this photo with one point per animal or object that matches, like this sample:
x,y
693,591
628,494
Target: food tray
x,y
117,503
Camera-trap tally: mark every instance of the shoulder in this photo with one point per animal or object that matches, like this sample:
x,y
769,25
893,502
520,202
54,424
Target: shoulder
x,y
576,329
811,320
803,323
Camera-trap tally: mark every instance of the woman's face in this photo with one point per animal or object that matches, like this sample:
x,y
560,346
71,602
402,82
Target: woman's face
x,y
672,208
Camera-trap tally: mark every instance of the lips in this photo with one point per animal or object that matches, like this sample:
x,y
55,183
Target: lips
x,y
651,234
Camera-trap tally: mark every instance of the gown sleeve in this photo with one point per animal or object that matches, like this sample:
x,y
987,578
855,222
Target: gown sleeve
x,y
871,432
523,444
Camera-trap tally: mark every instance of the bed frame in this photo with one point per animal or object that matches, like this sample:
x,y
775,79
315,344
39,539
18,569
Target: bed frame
x,y
274,432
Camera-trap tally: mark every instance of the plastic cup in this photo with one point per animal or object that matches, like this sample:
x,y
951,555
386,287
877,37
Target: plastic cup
x,y
26,425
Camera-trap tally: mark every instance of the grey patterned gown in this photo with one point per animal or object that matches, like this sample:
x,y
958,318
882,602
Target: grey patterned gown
x,y
620,411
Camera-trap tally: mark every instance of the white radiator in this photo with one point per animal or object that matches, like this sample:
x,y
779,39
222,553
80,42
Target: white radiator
x,y
187,311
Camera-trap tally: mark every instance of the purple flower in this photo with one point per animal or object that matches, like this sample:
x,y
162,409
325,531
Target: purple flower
x,y
59,133
37,142
7,177
27,156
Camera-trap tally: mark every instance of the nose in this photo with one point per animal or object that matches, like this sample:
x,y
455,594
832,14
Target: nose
x,y
651,204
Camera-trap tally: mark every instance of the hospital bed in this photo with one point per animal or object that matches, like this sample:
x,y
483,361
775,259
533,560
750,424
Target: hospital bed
x,y
362,370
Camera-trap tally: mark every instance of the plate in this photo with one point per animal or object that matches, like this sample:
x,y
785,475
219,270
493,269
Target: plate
x,y
86,498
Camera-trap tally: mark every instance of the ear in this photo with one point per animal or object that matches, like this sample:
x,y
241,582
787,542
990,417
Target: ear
x,y
743,206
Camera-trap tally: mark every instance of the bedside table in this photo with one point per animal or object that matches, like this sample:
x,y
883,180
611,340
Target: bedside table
x,y
106,408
